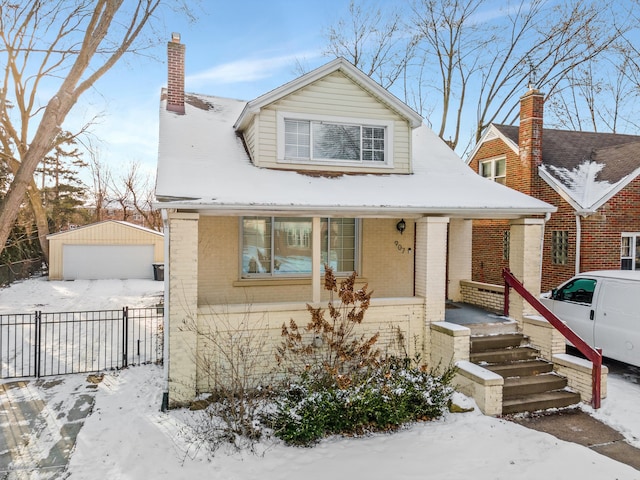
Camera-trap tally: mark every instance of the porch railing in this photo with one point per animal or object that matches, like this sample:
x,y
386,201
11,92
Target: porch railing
x,y
592,354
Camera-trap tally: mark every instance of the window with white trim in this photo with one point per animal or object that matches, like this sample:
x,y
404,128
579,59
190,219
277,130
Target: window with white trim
x,y
495,169
333,140
630,251
282,246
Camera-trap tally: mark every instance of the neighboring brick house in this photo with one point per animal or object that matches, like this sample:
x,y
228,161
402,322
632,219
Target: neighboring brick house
x,y
329,168
592,179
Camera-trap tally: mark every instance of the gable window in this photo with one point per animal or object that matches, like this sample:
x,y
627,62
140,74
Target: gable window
x,y
559,247
495,170
630,251
312,138
281,246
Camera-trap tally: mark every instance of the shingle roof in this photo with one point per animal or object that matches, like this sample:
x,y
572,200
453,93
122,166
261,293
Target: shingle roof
x,y
569,157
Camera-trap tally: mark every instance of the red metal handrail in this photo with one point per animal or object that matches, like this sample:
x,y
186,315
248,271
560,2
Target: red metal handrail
x,y
593,354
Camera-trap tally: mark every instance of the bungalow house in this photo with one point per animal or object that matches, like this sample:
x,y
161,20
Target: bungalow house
x,y
592,178
329,168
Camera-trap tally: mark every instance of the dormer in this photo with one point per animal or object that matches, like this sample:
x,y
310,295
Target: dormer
x,y
333,119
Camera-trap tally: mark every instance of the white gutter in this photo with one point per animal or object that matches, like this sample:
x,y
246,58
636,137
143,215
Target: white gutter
x,y
578,242
165,333
364,211
547,216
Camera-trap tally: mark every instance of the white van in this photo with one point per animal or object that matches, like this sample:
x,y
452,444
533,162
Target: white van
x,y
602,307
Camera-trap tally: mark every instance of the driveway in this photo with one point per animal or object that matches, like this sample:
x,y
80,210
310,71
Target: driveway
x,y
39,424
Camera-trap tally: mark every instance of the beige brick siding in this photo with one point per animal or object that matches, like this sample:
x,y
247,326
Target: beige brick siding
x,y
524,262
183,297
578,373
260,326
449,344
543,336
485,295
431,260
460,249
484,386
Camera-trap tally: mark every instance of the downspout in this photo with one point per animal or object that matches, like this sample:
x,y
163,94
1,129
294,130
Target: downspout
x,y
578,241
165,346
547,216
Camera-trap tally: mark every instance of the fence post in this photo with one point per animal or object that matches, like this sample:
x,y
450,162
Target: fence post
x,y
38,342
125,336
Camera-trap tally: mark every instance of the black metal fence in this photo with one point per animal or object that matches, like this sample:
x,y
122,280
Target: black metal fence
x,y
41,344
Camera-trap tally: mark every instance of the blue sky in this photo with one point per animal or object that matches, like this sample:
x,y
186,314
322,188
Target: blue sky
x,y
237,50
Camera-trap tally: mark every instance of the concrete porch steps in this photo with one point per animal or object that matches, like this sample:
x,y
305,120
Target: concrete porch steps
x,y
529,382
540,401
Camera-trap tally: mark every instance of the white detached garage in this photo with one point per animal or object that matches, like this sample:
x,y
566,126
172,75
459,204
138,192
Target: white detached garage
x,y
109,249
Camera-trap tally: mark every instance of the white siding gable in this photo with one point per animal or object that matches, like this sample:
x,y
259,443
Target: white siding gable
x,y
334,97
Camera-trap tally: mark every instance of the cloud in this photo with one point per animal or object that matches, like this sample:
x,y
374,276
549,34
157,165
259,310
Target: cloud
x,y
248,70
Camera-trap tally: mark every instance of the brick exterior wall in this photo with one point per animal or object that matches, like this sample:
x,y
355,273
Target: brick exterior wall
x,y
600,233
175,84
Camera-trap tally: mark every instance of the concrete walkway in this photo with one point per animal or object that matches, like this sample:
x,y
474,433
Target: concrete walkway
x,y
574,425
38,428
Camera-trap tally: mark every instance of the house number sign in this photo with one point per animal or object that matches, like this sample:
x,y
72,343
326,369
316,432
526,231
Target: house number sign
x,y
400,248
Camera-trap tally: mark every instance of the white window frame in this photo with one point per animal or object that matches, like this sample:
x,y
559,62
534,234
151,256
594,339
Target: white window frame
x,y
273,273
634,249
493,176
388,140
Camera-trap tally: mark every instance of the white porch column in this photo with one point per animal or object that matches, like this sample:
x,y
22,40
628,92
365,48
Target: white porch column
x,y
316,248
460,246
431,261
525,262
183,307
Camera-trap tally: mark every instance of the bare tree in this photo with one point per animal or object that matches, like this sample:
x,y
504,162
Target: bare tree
x,y
140,190
60,46
99,191
374,41
451,44
471,58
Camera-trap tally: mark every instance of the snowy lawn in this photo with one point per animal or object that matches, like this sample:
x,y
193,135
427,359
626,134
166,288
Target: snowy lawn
x,y
127,437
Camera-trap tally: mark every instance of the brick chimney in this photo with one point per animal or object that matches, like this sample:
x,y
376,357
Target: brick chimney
x,y
175,82
530,138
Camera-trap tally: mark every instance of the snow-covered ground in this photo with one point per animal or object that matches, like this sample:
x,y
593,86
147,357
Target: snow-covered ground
x,y
60,296
127,437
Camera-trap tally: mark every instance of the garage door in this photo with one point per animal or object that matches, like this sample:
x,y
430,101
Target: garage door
x,y
107,261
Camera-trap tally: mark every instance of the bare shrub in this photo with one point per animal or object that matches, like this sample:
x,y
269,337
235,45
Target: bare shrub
x,y
231,357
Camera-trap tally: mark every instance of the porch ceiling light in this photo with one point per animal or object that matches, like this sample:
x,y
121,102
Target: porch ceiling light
x,y
401,225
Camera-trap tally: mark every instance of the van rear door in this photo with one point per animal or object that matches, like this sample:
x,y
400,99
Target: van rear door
x,y
573,303
617,325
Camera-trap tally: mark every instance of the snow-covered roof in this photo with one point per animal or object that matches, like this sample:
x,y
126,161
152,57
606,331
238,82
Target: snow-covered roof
x,y
203,165
93,225
585,168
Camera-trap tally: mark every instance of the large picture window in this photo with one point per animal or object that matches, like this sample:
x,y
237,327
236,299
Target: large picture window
x,y
333,140
282,246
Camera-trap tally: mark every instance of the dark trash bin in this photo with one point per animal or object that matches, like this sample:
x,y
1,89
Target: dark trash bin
x,y
158,271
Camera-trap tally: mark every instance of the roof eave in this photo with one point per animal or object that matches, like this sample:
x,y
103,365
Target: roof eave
x,y
358,211
254,106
